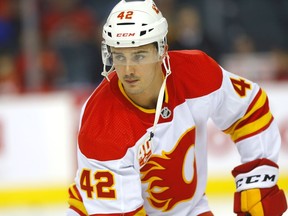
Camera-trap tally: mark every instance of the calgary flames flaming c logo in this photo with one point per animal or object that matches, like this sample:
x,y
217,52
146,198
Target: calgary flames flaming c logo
x,y
165,175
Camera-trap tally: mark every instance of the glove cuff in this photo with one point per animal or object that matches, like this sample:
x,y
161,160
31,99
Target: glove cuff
x,y
260,177
263,175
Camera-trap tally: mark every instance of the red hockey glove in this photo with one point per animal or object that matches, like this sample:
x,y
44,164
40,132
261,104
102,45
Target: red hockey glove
x,y
257,193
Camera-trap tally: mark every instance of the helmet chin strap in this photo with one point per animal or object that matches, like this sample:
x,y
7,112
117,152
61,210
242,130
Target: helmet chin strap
x,y
148,139
166,63
106,73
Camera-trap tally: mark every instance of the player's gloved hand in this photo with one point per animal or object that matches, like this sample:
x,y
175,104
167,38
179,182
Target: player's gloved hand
x,y
257,192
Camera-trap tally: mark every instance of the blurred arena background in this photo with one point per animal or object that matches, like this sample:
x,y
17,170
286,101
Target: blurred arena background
x,y
50,61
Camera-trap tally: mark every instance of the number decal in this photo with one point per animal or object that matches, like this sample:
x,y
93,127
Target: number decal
x,y
105,184
85,183
125,15
103,188
240,86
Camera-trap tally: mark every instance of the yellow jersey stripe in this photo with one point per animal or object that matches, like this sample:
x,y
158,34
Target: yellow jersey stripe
x,y
252,127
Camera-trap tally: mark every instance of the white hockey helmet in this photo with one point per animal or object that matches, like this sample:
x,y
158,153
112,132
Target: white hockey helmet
x,y
134,23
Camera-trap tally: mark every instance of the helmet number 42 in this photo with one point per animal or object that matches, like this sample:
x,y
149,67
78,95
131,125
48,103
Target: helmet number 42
x,y
125,15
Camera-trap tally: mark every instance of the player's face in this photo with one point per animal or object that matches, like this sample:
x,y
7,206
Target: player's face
x,y
139,69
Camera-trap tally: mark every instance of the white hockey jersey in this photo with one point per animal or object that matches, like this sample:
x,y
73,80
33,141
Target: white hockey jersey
x,y
113,176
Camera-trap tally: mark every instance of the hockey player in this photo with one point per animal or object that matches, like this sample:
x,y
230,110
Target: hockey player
x,y
142,136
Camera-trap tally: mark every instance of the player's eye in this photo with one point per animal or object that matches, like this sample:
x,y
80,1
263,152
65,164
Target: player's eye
x,y
138,58
119,58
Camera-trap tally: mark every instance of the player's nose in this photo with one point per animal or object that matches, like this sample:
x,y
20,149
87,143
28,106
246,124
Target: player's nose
x,y
129,69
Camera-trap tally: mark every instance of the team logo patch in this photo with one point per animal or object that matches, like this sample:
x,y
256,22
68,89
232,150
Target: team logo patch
x,y
165,113
167,177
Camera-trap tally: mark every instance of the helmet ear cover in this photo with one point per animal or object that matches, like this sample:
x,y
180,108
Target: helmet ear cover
x,y
106,54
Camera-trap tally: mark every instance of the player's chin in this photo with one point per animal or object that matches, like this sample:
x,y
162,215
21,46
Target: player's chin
x,y
133,90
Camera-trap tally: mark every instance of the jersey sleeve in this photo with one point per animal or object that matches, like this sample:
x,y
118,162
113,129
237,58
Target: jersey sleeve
x,y
242,111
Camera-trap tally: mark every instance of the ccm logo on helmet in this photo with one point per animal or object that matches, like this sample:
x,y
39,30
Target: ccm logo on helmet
x,y
125,35
255,179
